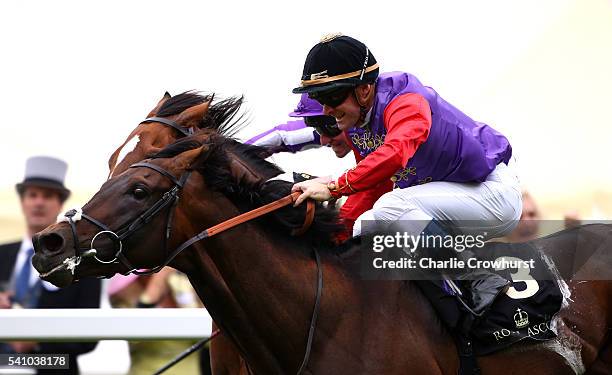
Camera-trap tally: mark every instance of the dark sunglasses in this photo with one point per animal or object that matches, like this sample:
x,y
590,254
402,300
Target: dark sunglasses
x,y
324,125
332,98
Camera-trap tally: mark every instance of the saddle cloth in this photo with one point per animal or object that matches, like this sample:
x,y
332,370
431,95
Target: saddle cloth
x,y
523,313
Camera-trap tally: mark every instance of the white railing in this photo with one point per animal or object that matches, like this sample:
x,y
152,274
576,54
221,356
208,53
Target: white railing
x,y
103,324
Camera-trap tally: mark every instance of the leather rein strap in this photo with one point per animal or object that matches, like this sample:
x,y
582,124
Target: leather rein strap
x,y
253,214
243,218
315,313
310,210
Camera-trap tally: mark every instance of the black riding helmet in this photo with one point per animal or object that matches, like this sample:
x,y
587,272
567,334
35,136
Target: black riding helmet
x,y
337,62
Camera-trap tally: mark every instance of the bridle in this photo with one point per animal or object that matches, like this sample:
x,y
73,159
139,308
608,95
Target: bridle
x,y
185,132
170,199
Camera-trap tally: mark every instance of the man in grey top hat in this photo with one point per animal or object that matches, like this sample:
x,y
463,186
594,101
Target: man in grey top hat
x,y
42,194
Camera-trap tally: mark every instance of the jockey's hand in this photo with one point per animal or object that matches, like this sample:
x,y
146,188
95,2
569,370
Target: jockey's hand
x,y
311,189
323,179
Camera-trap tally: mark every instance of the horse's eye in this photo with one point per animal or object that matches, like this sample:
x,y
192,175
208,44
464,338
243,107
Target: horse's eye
x,y
140,193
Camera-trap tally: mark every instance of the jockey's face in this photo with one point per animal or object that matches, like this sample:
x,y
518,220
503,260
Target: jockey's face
x,y
338,144
348,113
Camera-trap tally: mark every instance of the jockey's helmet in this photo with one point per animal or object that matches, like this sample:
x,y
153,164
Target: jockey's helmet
x,y
337,62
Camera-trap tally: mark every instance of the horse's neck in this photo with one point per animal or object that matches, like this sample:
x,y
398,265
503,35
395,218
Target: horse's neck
x,y
264,289
275,287
259,291
229,316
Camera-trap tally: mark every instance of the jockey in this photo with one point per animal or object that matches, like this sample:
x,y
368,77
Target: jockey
x,y
443,164
312,131
316,130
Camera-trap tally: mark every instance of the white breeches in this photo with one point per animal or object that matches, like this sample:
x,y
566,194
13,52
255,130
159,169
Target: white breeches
x,y
493,206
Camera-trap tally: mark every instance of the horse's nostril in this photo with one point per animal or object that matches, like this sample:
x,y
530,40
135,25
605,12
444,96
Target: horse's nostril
x,y
51,242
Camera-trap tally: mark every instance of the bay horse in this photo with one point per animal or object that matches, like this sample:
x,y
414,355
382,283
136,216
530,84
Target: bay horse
x,y
265,301
173,118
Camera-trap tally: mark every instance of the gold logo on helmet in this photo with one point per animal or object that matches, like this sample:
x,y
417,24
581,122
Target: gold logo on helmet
x,y
319,75
329,37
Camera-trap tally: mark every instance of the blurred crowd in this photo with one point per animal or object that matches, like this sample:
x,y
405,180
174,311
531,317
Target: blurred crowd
x,y
530,227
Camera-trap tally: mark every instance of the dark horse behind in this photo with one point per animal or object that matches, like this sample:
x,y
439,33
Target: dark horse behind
x,y
259,283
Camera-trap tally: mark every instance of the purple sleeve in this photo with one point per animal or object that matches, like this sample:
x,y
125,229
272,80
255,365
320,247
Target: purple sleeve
x,y
294,136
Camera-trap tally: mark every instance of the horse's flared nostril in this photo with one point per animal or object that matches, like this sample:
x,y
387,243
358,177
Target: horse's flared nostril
x,y
51,242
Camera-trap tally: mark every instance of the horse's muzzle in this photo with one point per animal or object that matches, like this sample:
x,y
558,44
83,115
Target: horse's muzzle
x,y
49,257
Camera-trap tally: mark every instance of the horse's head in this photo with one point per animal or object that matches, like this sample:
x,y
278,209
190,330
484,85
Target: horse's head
x,y
173,118
125,225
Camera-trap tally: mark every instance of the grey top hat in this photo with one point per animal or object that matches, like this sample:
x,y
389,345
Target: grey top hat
x,y
47,172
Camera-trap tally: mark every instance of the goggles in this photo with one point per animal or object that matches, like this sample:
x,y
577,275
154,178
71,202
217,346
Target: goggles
x,y
332,98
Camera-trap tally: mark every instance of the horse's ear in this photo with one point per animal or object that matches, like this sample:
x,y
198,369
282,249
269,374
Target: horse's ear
x,y
159,104
191,117
187,159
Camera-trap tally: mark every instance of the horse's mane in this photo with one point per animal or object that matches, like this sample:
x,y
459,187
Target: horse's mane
x,y
222,116
214,165
176,148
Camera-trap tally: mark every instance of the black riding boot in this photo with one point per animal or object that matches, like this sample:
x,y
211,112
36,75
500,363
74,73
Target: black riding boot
x,y
484,286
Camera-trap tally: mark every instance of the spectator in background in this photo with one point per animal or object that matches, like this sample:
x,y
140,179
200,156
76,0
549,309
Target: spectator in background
x,y
42,194
529,225
572,219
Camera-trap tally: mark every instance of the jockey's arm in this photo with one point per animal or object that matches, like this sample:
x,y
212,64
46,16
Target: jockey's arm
x,y
293,136
362,201
408,121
